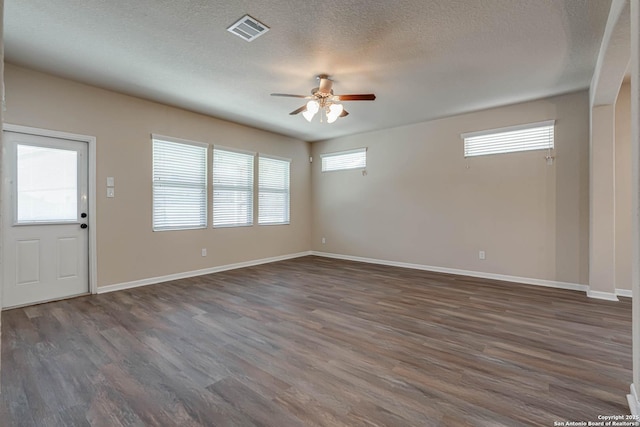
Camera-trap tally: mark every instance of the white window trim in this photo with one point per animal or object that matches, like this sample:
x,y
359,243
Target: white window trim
x,y
233,149
178,140
508,129
269,156
340,153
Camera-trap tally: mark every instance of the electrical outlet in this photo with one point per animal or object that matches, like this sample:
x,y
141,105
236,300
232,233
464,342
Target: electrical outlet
x,y
204,251
324,240
111,192
482,255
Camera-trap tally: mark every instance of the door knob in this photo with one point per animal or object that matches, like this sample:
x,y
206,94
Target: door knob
x,y
83,225
83,215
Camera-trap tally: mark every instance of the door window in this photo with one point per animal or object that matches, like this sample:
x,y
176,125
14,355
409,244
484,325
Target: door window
x,y
46,185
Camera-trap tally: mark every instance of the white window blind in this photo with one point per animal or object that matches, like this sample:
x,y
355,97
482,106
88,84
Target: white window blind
x,y
273,190
179,185
341,160
232,188
533,136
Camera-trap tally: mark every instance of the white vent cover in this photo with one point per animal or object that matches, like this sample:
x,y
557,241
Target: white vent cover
x,y
248,28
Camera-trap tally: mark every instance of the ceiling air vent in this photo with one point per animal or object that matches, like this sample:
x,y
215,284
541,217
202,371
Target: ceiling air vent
x,y
248,28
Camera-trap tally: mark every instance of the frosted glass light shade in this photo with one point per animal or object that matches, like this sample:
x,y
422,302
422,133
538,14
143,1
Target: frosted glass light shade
x,y
308,115
313,106
312,109
334,112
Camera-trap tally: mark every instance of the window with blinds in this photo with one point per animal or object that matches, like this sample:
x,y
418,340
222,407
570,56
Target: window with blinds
x,y
273,190
533,136
232,187
179,184
341,160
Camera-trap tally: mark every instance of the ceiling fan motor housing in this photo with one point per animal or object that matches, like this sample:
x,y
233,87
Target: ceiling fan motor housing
x,y
324,89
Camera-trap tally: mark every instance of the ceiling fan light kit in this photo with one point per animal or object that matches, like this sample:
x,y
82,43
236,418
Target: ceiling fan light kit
x,y
312,109
324,101
334,112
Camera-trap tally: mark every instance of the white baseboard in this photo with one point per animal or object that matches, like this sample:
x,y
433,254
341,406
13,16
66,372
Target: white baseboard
x,y
480,274
609,296
632,399
525,280
624,293
184,275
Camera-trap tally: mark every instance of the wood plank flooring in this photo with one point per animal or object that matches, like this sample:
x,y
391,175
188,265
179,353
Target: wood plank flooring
x,y
317,342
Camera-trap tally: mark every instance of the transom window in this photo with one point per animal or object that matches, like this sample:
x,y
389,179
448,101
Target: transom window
x,y
532,136
341,160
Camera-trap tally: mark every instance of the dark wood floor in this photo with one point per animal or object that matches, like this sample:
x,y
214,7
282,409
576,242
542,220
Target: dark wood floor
x,y
315,341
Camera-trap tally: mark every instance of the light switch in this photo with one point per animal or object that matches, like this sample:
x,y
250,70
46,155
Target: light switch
x,y
110,181
111,192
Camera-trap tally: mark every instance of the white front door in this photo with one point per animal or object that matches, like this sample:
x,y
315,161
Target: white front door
x,y
45,236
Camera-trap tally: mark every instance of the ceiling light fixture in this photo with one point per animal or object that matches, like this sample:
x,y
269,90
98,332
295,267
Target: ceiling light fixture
x,y
331,111
323,100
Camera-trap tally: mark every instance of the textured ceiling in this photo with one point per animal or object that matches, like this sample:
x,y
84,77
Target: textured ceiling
x,y
423,59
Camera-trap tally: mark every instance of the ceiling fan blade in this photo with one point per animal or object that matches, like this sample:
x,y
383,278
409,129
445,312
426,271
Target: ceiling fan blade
x,y
291,96
344,113
358,97
299,110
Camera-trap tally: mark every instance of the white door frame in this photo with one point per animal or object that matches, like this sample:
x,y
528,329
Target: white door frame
x,y
91,142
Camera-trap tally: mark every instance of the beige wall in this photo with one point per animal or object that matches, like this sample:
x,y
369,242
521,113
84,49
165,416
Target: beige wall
x,y
623,188
128,249
421,202
602,201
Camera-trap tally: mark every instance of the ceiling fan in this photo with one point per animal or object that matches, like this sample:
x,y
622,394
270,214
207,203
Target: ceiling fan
x,y
323,99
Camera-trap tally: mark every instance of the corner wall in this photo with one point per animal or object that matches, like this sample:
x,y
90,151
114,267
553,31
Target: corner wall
x,y
128,249
1,136
421,202
623,183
